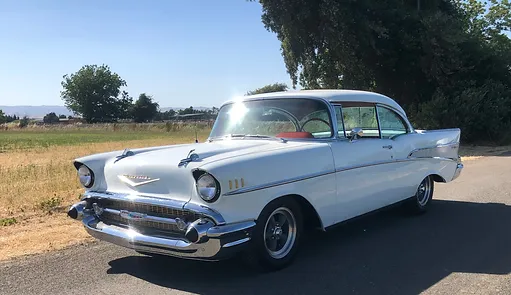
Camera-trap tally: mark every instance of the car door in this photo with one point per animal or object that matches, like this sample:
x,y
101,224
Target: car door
x,y
406,175
362,173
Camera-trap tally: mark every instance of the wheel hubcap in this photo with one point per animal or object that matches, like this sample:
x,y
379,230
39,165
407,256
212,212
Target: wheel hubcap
x,y
424,191
280,233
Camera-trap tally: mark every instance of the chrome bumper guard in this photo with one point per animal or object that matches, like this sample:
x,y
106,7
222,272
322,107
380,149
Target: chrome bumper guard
x,y
211,240
459,168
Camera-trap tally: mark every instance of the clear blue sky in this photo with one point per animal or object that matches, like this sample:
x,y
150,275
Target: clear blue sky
x,y
183,53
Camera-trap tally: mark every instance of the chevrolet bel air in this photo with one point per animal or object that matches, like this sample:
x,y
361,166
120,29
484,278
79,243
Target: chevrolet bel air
x,y
273,166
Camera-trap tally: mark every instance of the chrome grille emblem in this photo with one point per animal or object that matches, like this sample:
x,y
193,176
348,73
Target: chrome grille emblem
x,y
132,215
136,180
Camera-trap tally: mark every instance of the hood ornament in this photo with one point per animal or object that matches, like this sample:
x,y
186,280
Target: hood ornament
x,y
189,158
125,153
136,180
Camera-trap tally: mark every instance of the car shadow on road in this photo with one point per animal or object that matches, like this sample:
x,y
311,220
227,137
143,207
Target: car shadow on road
x,y
384,253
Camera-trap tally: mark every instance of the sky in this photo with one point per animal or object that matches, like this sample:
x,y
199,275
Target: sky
x,y
183,53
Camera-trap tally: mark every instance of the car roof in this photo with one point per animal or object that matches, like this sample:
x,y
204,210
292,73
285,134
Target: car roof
x,y
328,95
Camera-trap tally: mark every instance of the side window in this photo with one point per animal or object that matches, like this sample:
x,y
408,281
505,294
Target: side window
x,y
363,117
318,124
340,125
391,124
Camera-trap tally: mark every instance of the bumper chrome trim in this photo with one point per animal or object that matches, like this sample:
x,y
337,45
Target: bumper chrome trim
x,y
220,242
459,168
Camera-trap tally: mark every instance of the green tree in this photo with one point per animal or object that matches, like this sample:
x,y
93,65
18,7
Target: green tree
x,y
431,56
145,109
51,118
166,115
93,92
188,111
24,122
3,118
276,87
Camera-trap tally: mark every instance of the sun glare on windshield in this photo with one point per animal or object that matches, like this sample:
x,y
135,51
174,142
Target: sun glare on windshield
x,y
236,113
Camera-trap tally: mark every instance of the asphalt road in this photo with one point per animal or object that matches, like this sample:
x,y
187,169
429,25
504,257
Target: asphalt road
x,y
461,246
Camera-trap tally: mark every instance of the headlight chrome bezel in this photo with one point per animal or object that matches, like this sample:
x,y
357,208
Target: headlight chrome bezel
x,y
85,176
208,182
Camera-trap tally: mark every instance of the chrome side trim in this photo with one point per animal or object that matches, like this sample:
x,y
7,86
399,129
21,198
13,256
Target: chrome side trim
x,y
437,151
156,201
277,183
346,168
337,169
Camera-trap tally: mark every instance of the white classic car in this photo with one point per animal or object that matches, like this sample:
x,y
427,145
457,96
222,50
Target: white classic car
x,y
273,165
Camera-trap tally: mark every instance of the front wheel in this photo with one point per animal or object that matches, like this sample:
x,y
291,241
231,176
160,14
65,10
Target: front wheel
x,y
276,236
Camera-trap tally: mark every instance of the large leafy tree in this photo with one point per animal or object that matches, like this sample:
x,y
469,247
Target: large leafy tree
x,y
94,92
447,61
145,109
275,87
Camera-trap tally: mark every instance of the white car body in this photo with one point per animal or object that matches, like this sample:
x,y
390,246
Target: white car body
x,y
334,178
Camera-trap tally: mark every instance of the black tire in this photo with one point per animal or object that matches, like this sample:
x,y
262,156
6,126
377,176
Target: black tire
x,y
257,255
419,203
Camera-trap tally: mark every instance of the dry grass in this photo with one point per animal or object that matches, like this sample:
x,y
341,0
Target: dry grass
x,y
40,234
39,184
32,177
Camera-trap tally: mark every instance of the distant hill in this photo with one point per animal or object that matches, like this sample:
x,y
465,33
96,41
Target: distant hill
x,y
41,111
35,111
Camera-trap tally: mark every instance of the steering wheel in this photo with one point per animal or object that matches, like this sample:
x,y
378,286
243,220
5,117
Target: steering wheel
x,y
314,119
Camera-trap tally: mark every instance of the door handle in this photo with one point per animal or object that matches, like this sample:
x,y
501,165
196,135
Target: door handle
x,y
387,146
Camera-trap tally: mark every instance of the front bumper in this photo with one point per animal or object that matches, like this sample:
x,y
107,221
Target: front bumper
x,y
459,168
215,242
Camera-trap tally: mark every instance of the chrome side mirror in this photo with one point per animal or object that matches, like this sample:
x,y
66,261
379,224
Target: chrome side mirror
x,y
355,133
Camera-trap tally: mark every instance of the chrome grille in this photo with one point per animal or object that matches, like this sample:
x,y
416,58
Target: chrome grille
x,y
145,226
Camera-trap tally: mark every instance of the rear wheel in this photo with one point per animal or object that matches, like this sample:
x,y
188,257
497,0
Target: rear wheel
x,y
276,237
423,196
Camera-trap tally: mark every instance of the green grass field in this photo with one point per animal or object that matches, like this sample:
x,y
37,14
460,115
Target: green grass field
x,y
27,140
34,138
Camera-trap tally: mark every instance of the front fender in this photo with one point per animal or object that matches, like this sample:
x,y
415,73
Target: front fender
x,y
250,182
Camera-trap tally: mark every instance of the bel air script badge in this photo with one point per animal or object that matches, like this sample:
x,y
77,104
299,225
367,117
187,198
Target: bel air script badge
x,y
132,215
136,180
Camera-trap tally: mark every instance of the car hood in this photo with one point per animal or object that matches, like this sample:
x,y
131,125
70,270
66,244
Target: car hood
x,y
161,171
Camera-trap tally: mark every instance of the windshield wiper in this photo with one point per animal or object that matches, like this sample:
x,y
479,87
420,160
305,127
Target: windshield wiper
x,y
249,135
255,136
240,135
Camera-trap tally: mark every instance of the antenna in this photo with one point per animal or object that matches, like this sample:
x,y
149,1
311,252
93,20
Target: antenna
x,y
196,139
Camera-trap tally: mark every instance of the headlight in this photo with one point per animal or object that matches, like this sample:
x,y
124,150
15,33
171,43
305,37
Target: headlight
x,y
208,188
85,176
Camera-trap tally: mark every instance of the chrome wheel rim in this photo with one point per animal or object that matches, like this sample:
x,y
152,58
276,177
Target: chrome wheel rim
x,y
280,233
424,191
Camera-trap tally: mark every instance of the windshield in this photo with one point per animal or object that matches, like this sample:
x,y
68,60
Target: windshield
x,y
285,117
